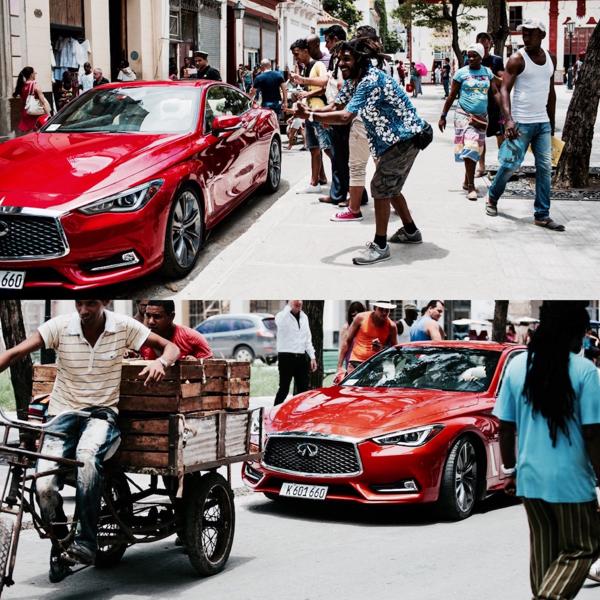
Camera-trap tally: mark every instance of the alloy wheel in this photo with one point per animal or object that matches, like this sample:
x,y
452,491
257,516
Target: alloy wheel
x,y
186,232
466,477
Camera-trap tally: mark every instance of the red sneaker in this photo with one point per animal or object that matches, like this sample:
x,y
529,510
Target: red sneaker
x,y
347,215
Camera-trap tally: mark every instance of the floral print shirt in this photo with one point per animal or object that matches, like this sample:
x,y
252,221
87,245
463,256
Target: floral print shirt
x,y
388,115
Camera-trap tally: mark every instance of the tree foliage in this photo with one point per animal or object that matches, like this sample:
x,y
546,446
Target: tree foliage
x,y
456,14
344,10
578,132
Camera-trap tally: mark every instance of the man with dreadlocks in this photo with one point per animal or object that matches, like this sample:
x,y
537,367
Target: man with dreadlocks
x,y
396,134
550,397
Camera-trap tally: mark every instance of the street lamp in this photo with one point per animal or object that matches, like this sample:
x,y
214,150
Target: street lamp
x,y
239,10
570,74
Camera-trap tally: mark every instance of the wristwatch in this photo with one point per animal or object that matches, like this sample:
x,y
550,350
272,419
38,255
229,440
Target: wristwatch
x,y
510,472
166,364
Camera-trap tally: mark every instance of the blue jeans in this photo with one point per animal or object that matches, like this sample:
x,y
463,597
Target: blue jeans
x,y
274,106
88,441
511,155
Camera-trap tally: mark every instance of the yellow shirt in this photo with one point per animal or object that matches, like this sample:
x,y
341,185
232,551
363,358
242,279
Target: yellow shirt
x,y
318,70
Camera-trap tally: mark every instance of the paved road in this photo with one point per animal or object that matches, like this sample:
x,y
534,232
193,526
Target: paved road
x,y
294,249
317,552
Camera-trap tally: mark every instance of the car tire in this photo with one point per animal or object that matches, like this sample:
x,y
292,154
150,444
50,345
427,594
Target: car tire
x,y
459,486
274,167
6,532
244,353
184,234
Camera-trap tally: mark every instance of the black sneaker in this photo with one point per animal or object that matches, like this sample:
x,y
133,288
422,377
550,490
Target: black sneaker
x,y
81,554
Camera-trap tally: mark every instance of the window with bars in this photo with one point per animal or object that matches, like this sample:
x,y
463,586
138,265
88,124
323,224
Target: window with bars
x,y
266,306
200,310
515,17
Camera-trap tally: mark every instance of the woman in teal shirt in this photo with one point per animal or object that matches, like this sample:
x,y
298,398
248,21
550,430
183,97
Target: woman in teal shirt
x,y
550,399
472,82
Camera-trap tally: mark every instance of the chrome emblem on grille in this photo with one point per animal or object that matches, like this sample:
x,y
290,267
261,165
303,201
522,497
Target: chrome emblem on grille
x,y
307,450
3,228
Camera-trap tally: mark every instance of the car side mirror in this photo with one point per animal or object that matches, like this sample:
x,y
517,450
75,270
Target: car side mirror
x,y
41,121
225,123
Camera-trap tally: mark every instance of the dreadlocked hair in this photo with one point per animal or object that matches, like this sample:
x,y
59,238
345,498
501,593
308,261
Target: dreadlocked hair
x,y
364,49
547,383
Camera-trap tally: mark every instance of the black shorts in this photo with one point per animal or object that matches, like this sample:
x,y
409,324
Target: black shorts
x,y
392,169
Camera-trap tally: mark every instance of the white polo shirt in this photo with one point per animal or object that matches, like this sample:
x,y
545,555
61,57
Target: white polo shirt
x,y
89,376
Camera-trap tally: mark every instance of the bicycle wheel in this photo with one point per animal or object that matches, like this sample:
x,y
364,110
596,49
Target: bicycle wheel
x,y
6,531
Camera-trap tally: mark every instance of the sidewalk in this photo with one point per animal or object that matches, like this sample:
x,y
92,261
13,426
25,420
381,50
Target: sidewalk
x,y
295,250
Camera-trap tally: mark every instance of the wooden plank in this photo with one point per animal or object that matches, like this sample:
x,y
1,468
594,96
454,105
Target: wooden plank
x,y
44,372
137,458
239,369
222,424
168,404
236,386
150,443
41,388
161,388
131,425
236,402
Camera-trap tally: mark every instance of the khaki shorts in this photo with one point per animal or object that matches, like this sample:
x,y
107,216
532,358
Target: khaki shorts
x,y
392,169
359,154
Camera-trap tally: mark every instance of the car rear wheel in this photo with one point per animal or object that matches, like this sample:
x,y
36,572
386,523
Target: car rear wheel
x,y
244,353
458,491
185,233
274,168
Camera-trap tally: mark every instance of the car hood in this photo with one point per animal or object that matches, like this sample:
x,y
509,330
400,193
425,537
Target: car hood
x,y
361,413
48,170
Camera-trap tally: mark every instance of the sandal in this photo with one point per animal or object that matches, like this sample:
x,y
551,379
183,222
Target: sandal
x,y
480,173
549,224
491,208
472,195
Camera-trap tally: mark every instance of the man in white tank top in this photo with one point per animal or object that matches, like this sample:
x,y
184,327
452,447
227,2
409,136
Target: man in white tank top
x,y
530,120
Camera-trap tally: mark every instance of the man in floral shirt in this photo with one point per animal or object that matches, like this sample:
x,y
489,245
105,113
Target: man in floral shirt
x,y
395,132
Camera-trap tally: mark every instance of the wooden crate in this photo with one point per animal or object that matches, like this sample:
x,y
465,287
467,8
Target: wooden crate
x,y
175,444
43,380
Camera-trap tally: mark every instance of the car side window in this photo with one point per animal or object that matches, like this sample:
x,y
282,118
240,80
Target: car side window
x,y
207,327
223,101
244,324
222,325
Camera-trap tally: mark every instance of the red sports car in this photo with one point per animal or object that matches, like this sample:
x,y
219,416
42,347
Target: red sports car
x,y
127,179
412,424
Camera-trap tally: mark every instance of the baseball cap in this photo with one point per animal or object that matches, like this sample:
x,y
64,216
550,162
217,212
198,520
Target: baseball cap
x,y
382,304
532,24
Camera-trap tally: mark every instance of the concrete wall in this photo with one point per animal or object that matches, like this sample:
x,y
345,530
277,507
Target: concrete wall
x,y
37,36
97,32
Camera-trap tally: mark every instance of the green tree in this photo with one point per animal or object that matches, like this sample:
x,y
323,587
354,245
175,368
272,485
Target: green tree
x,y
344,10
457,14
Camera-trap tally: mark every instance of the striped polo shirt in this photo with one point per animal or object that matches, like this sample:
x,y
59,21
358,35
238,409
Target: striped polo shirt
x,y
89,376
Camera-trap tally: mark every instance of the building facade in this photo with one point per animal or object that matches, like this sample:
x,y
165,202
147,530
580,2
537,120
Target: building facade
x,y
297,20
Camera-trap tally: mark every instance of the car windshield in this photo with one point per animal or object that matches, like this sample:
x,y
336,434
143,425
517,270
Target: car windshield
x,y
149,109
420,367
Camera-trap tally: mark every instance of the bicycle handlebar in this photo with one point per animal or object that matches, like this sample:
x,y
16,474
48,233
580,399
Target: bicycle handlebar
x,y
4,420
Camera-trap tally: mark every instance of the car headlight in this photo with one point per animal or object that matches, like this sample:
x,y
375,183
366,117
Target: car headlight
x,y
416,436
127,201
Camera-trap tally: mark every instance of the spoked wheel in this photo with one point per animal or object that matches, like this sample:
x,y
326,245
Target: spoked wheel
x,y
209,523
274,168
458,493
6,531
185,231
117,499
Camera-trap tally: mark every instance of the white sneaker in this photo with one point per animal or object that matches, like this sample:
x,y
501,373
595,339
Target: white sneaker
x,y
594,573
312,189
372,254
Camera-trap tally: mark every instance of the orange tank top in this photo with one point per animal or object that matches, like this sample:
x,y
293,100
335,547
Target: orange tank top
x,y
363,340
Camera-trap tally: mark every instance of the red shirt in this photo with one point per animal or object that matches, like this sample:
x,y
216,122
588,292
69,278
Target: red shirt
x,y
189,341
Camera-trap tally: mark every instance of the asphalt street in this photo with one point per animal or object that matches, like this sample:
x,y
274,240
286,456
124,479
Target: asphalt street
x,y
316,551
293,249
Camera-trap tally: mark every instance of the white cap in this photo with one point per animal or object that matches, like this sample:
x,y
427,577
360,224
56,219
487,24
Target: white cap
x,y
381,304
477,48
532,24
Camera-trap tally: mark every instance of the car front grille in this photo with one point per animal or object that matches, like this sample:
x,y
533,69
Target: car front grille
x,y
27,236
311,456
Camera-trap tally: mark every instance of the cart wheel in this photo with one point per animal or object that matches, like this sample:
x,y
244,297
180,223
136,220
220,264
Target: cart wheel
x,y
6,530
116,499
209,523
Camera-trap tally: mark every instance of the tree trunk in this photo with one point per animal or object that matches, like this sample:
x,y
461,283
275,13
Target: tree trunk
x,y
574,164
498,24
21,373
314,312
500,318
455,41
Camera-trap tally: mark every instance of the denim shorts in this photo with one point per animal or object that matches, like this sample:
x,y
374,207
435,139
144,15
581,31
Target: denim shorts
x,y
317,136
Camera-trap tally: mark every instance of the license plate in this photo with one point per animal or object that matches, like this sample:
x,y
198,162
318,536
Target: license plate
x,y
12,280
299,490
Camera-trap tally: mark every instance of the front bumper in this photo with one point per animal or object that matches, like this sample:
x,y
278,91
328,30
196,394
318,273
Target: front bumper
x,y
384,471
99,250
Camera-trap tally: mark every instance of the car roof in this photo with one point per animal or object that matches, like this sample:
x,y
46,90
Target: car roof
x,y
162,83
467,345
241,316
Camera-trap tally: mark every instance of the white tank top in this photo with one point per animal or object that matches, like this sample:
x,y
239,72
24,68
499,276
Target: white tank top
x,y
530,93
405,335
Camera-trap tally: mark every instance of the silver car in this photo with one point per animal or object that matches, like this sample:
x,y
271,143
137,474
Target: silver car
x,y
243,336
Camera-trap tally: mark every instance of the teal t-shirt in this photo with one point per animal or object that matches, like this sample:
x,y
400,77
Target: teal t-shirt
x,y
474,86
562,473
